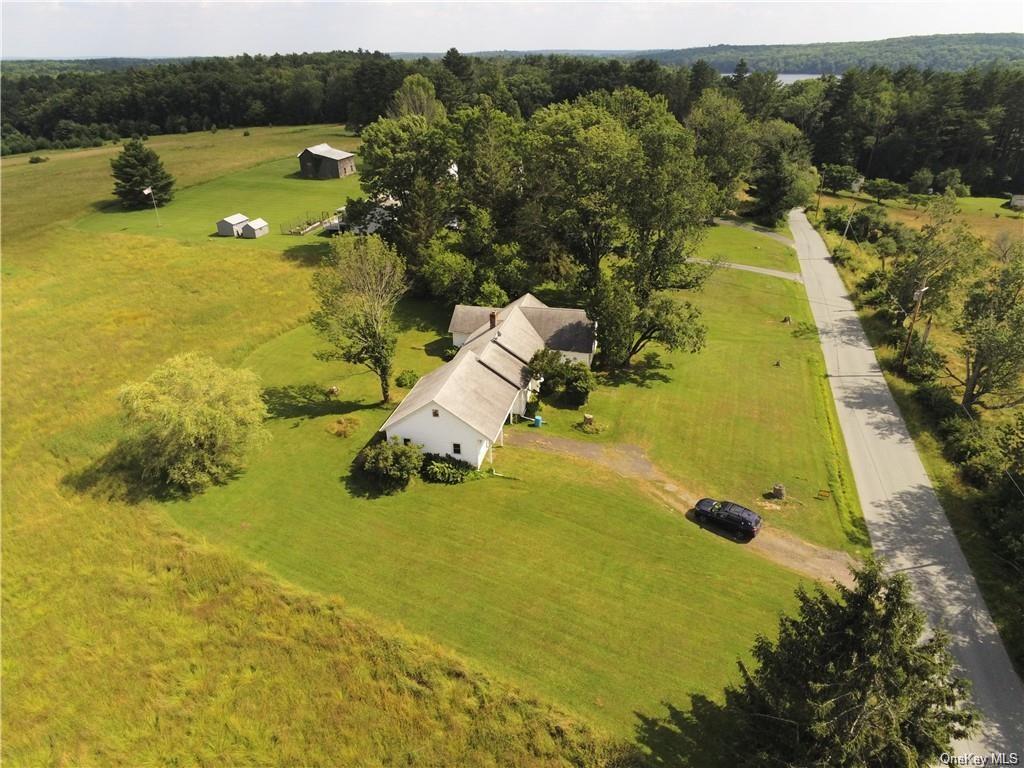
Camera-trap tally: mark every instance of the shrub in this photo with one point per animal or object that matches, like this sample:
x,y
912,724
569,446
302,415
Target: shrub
x,y
407,379
450,353
245,133
37,159
841,255
552,366
834,217
390,464
924,363
533,407
579,383
447,470
937,400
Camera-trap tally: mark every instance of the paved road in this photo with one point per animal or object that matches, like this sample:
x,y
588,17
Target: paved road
x,y
747,268
905,520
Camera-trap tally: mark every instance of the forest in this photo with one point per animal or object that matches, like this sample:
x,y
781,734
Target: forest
x,y
885,123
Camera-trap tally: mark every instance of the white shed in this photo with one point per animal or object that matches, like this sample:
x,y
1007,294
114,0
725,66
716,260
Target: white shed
x,y
1017,202
255,228
231,226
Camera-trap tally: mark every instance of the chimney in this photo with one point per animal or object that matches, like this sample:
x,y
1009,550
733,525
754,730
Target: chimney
x,y
494,319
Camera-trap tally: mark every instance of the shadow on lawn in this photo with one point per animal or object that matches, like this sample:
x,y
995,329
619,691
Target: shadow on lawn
x,y
306,401
699,738
307,254
642,373
117,476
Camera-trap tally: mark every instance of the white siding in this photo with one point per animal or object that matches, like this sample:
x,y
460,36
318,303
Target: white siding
x,y
582,357
438,434
458,339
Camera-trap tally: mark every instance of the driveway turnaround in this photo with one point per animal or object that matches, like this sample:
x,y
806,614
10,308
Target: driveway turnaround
x,y
907,525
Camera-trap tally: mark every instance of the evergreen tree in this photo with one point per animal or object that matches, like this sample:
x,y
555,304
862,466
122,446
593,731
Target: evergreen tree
x,y
850,683
137,168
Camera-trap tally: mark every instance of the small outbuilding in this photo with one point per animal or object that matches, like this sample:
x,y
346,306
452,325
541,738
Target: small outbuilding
x,y
231,226
1017,202
325,162
255,228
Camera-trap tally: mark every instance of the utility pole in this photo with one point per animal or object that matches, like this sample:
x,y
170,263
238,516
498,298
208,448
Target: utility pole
x,y
918,298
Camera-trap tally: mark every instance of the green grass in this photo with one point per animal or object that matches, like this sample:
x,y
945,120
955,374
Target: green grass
x,y
546,578
127,643
129,640
741,246
728,422
272,190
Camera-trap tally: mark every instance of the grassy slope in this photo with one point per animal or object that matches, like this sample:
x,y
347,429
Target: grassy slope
x,y
546,577
728,422
744,247
125,643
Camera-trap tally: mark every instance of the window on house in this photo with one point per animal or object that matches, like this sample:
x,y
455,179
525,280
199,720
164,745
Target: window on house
x,y
456,448
435,413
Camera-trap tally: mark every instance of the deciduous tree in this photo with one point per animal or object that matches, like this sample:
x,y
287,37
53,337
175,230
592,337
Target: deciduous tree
x,y
192,422
356,292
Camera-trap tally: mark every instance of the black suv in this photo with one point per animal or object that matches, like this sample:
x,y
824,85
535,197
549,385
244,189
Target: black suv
x,y
728,515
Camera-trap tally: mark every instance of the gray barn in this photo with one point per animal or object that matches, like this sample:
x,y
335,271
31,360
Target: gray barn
x,y
325,162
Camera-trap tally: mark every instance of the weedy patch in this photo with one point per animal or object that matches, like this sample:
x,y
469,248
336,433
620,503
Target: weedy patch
x,y
344,426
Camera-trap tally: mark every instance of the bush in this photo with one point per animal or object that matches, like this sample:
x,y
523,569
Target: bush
x,y
407,379
924,364
447,470
841,255
37,159
550,365
937,400
579,382
245,133
533,407
390,464
450,353
834,217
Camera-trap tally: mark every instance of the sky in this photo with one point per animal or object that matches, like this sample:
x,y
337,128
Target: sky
x,y
147,29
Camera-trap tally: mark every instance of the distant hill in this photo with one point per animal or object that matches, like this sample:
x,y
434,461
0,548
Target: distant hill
x,y
949,53
942,52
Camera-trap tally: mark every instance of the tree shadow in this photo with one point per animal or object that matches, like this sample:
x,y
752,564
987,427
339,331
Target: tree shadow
x,y
357,482
701,737
438,347
641,374
116,476
109,206
307,254
306,401
414,314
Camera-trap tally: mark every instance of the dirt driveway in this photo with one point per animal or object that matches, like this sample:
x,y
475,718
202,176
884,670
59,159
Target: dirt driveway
x,y
632,461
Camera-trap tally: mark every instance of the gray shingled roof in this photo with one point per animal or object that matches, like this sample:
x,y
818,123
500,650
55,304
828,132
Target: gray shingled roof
x,y
466,319
567,330
465,388
326,150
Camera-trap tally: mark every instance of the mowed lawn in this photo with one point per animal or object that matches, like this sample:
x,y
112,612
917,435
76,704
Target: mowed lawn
x,y
272,191
751,410
741,246
567,581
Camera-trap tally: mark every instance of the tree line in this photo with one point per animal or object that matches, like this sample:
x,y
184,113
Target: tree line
x,y
884,122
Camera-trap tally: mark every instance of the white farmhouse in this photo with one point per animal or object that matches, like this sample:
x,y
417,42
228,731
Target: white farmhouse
x,y
461,408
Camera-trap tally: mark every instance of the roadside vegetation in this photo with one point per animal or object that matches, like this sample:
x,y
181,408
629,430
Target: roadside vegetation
x,y
955,363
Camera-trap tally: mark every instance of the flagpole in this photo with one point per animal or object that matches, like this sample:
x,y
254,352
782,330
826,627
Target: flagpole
x,y
152,197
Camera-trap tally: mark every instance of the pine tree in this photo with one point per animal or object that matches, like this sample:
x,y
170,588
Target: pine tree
x,y
137,168
850,682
